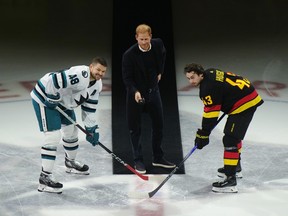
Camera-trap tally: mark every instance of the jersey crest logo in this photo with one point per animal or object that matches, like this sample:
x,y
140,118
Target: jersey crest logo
x,y
82,99
85,74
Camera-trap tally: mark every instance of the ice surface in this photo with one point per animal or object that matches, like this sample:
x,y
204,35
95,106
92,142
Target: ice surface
x,y
262,191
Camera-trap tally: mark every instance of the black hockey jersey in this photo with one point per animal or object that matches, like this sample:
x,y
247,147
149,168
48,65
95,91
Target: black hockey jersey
x,y
226,92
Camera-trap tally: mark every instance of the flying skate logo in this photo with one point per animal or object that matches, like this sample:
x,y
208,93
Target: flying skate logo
x,y
85,74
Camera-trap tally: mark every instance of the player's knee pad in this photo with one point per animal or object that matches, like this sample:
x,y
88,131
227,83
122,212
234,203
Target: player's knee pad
x,y
70,133
230,142
52,137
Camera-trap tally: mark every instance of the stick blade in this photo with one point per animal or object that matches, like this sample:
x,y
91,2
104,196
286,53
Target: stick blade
x,y
145,178
152,193
137,195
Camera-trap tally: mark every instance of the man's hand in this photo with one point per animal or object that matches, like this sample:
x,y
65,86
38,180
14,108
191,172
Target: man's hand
x,y
202,138
52,100
93,138
138,97
159,77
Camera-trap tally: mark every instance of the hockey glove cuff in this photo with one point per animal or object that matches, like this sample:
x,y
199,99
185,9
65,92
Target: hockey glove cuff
x,y
52,100
202,138
93,138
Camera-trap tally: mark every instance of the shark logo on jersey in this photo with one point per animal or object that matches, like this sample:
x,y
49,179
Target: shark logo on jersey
x,y
85,74
81,99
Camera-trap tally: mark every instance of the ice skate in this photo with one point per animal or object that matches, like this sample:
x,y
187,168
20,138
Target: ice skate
x,y
228,185
48,184
221,173
73,166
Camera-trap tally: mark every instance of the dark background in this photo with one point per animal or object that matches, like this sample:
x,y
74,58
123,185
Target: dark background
x,y
84,28
73,20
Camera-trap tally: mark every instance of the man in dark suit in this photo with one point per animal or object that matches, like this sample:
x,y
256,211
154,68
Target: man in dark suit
x,y
142,67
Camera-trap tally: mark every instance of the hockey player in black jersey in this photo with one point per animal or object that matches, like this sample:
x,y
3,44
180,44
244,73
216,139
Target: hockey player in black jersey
x,y
234,95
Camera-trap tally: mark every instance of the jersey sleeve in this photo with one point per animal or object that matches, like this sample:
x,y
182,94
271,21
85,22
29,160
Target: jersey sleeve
x,y
49,84
75,78
211,94
89,107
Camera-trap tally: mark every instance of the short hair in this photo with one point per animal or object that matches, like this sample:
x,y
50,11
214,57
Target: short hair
x,y
99,60
196,68
143,28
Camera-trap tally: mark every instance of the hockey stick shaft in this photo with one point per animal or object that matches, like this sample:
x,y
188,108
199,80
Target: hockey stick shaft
x,y
152,193
146,178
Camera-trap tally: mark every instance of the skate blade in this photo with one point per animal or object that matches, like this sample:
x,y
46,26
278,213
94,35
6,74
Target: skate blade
x,y
45,188
232,189
74,171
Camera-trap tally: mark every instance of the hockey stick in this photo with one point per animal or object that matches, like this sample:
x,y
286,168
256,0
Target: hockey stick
x,y
146,178
152,193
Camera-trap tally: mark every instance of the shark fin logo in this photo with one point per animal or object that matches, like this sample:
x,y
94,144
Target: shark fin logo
x,y
82,99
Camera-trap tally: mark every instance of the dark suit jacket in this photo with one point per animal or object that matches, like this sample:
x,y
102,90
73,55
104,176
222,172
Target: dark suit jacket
x,y
133,69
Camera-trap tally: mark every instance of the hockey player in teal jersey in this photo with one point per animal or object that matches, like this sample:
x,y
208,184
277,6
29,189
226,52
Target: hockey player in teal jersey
x,y
78,86
231,94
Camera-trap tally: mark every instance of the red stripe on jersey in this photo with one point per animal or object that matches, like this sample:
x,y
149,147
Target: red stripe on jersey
x,y
231,155
239,145
212,108
244,100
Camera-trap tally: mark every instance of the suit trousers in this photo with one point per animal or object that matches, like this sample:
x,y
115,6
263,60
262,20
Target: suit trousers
x,y
153,106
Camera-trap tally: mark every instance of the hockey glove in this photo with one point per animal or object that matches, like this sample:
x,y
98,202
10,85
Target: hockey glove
x,y
94,135
52,100
202,138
